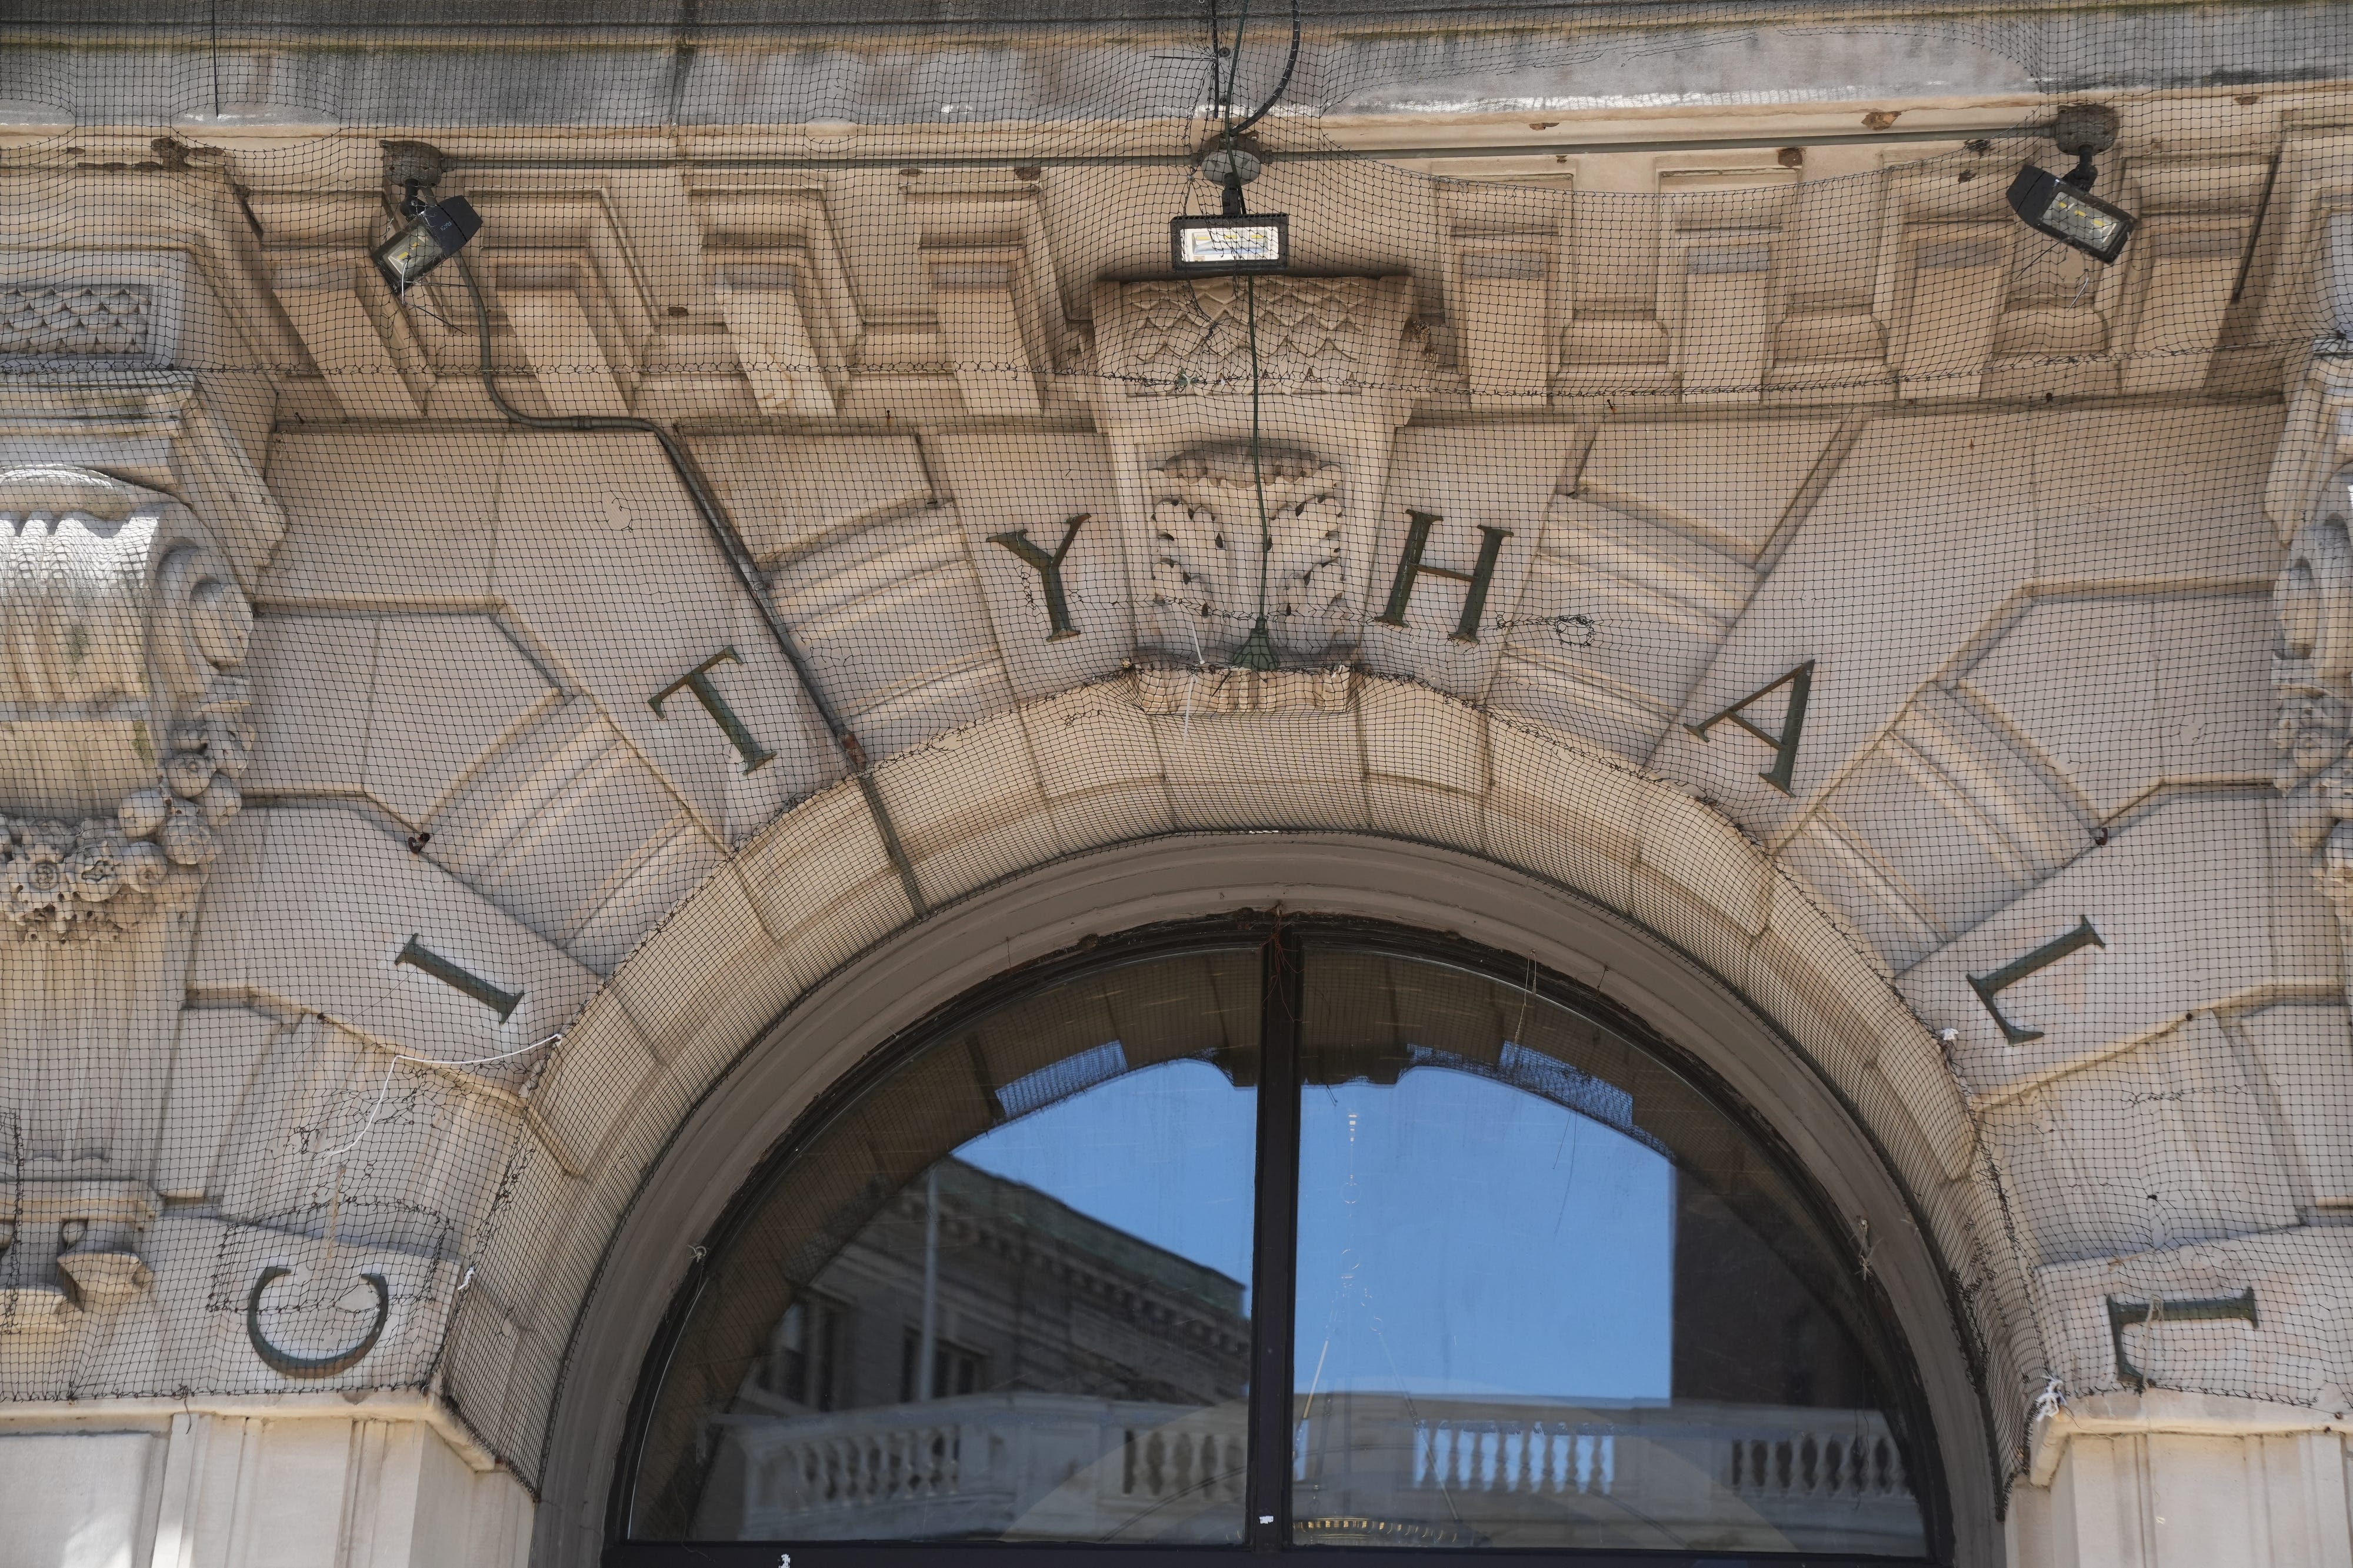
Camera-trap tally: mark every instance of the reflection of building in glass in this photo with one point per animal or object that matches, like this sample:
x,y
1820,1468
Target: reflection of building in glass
x,y
1086,1383
1748,1328
1029,1295
1385,1470
1067,1359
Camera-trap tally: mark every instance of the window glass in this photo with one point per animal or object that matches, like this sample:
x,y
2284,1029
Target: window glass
x,y
1547,1292
1549,1296
1002,1294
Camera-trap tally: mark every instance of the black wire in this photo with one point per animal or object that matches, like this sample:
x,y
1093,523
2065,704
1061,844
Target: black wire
x,y
1233,69
1250,286
1273,98
1216,77
739,556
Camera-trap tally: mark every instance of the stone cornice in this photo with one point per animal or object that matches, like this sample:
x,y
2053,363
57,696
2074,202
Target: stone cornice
x,y
1037,66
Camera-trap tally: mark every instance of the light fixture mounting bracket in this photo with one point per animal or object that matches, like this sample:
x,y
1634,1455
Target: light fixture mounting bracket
x,y
408,163
2083,129
1238,167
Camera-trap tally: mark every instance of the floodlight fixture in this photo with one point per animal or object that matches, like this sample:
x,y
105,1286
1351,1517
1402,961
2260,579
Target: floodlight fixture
x,y
1236,239
2062,206
435,230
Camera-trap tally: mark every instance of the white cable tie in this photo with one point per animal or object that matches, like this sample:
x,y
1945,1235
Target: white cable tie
x,y
384,1089
478,1061
397,1057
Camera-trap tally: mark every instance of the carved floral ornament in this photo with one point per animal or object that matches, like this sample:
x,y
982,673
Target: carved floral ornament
x,y
1320,372
1206,548
121,638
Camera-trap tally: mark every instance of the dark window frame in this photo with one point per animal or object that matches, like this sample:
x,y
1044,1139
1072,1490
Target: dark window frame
x,y
947,1354
825,1324
1278,938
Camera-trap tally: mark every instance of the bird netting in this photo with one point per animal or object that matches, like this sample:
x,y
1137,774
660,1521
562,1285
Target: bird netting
x,y
492,496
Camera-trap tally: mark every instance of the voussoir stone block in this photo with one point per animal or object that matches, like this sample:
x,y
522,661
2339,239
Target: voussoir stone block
x,y
973,811
594,1078
822,882
698,980
1563,809
2149,967
1099,764
1286,768
314,909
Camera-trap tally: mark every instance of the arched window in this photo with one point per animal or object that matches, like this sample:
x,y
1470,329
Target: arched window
x,y
1314,1234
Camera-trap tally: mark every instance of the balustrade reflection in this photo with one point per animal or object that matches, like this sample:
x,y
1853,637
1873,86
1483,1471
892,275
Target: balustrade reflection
x,y
1545,1294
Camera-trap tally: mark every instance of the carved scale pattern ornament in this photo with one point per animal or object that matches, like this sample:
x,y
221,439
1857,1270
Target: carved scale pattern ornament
x,y
1194,339
110,320
122,635
1206,548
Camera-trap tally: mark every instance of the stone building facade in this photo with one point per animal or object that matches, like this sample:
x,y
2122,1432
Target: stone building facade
x,y
1709,550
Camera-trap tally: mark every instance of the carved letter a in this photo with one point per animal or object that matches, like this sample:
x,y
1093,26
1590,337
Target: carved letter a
x,y
1801,682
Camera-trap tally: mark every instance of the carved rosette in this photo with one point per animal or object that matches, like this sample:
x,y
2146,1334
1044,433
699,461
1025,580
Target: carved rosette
x,y
1206,547
123,634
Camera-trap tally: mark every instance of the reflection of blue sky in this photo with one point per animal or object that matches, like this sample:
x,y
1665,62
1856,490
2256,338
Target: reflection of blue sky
x,y
1166,1154
1457,1235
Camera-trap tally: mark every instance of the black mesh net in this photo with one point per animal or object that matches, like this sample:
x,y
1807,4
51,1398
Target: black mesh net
x,y
452,707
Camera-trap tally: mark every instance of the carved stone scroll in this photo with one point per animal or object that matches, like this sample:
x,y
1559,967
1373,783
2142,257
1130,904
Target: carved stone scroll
x,y
123,637
2312,681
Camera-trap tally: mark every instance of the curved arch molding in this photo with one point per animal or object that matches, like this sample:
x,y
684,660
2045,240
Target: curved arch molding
x,y
1027,835
575,861
1192,874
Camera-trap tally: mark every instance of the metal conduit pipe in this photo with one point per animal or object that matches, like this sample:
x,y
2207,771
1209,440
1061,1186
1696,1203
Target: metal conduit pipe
x,y
739,557
1329,155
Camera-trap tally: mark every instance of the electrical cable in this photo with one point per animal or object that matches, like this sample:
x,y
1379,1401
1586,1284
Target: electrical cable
x,y
1273,98
1256,651
399,1057
739,557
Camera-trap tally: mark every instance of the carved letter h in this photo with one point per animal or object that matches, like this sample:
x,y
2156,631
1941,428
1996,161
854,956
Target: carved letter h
x,y
1410,566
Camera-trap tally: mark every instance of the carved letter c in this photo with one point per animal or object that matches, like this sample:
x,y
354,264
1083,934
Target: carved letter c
x,y
292,1365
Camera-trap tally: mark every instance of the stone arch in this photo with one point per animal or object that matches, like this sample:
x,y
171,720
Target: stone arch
x,y
1032,829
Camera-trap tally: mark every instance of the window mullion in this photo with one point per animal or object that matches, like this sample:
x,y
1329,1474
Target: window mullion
x,y
1274,1261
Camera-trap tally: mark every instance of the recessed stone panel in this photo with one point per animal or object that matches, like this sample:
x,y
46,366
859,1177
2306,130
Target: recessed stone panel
x,y
1054,495
1729,482
2169,1143
313,909
2189,913
2125,694
897,630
